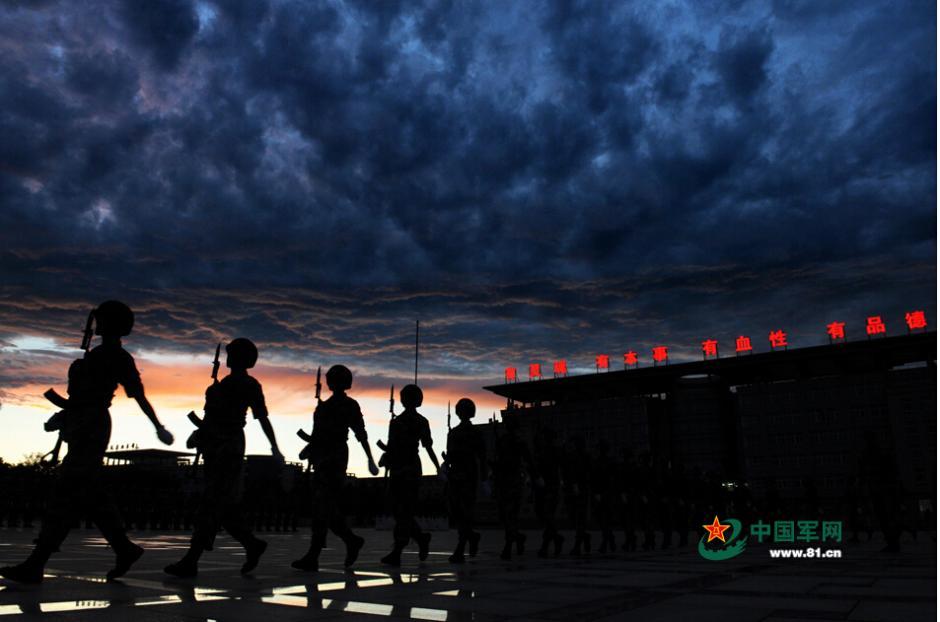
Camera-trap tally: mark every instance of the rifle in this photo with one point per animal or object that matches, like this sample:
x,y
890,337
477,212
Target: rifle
x,y
306,453
379,443
445,466
57,422
193,440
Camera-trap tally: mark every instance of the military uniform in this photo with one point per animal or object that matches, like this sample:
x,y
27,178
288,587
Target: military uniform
x,y
404,467
465,453
332,421
603,485
547,463
512,456
577,473
79,487
222,442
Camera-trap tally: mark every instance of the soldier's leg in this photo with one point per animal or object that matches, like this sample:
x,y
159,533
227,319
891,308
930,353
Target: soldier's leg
x,y
322,504
62,510
106,516
212,504
401,531
337,520
456,515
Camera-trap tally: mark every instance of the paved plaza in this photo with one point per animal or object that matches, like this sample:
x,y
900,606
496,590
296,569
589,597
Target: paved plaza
x,y
663,585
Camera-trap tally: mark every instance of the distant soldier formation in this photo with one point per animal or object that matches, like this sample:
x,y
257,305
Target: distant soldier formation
x,y
633,495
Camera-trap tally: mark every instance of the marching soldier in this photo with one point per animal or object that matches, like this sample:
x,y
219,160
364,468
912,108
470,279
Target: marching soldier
x,y
512,458
222,443
466,463
404,467
332,421
603,485
577,474
86,427
547,461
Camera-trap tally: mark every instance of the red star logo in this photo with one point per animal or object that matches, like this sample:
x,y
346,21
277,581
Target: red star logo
x,y
716,531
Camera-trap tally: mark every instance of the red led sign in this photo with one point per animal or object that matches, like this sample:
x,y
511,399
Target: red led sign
x,y
915,320
560,368
660,354
778,339
535,371
710,348
602,361
630,358
510,374
742,344
874,326
836,331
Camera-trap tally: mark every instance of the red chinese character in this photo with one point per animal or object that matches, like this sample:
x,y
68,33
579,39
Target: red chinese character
x,y
510,374
875,326
915,320
836,330
742,344
710,347
535,371
660,354
630,358
560,368
602,361
778,339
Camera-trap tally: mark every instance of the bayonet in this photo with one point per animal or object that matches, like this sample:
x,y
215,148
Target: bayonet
x,y
89,332
193,440
319,386
56,422
307,452
215,364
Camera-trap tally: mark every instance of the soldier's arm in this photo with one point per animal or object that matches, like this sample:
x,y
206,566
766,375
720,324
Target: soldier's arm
x,y
429,446
129,378
165,436
358,426
259,410
481,456
269,432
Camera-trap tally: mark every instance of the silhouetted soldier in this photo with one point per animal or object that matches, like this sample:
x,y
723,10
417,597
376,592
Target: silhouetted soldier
x,y
332,421
879,472
547,465
645,501
512,460
466,464
577,474
603,487
629,501
86,427
222,443
404,468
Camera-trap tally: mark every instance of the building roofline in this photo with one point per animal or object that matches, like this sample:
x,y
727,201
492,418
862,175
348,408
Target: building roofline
x,y
850,357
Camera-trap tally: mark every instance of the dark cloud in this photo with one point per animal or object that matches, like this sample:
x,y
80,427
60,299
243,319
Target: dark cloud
x,y
164,29
530,179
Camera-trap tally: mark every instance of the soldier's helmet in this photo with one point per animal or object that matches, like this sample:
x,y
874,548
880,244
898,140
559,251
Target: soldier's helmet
x,y
242,353
339,378
114,319
411,396
465,408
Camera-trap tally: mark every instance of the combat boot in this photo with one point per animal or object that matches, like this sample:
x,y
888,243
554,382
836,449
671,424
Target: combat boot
x,y
353,545
253,552
125,559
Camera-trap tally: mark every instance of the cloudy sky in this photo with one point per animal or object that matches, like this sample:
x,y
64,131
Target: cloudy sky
x,y
531,180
